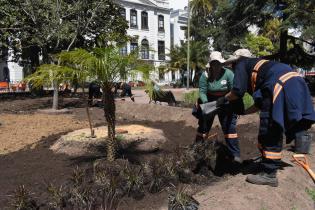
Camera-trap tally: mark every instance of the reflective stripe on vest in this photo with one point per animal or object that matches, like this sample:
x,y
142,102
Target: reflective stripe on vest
x,y
255,72
272,155
279,86
231,136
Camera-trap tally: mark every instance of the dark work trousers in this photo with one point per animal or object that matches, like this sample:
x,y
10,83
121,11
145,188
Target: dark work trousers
x,y
270,138
126,91
228,125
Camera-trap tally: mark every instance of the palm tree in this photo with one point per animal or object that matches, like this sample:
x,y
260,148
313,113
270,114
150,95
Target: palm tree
x,y
202,7
51,74
199,52
106,65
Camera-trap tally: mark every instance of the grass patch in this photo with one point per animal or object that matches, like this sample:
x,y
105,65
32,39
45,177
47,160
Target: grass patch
x,y
120,138
311,193
191,97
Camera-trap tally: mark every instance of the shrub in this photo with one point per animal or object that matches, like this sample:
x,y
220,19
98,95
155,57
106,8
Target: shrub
x,y
182,200
23,199
191,97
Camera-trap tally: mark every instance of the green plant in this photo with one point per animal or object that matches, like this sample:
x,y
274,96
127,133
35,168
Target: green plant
x,y
134,181
107,65
120,138
57,196
23,200
191,97
311,193
182,200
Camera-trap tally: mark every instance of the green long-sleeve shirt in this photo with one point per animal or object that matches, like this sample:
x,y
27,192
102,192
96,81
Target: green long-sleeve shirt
x,y
217,87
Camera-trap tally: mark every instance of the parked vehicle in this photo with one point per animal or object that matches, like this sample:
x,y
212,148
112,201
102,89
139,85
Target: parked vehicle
x,y
140,83
132,84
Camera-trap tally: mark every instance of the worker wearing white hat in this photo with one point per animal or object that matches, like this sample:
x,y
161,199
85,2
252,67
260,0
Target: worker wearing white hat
x,y
285,105
214,83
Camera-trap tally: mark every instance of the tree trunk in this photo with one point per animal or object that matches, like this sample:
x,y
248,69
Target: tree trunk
x,y
88,114
283,45
55,98
109,113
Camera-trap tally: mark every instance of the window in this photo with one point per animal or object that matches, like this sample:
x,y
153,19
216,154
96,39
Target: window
x,y
161,50
161,73
133,19
133,46
183,28
123,51
161,23
123,12
145,49
144,20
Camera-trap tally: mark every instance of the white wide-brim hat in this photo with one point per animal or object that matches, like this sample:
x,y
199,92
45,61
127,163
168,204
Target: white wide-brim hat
x,y
215,56
238,54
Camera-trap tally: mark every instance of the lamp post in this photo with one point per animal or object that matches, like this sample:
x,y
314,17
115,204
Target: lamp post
x,y
188,46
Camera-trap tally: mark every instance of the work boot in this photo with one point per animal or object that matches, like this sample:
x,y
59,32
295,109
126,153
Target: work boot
x,y
238,160
199,138
263,178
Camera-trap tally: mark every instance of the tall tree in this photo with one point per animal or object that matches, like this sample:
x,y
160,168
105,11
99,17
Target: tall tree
x,y
199,52
41,28
228,23
259,45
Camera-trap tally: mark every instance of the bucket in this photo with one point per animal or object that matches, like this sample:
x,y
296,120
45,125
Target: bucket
x,y
303,143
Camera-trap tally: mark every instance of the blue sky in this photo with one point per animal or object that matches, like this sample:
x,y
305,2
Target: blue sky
x,y
178,4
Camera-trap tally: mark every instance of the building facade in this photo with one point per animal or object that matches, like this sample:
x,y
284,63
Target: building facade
x,y
154,29
150,31
10,71
178,22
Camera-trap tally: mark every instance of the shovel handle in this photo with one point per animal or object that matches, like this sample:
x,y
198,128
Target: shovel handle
x,y
311,173
305,164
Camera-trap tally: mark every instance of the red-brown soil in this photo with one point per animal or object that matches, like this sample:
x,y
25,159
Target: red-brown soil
x,y
25,158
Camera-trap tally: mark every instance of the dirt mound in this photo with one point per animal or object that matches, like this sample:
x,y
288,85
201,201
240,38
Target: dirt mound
x,y
79,142
26,159
236,194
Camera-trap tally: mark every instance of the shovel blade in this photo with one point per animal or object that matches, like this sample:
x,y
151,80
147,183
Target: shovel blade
x,y
209,108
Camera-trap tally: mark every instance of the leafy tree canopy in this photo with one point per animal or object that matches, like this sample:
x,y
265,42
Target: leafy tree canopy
x,y
228,23
44,27
259,45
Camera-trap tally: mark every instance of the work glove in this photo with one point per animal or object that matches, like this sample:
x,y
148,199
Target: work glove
x,y
231,107
196,111
222,102
237,106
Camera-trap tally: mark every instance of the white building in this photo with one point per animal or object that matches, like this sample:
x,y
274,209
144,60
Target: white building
x,y
149,25
155,28
10,71
179,22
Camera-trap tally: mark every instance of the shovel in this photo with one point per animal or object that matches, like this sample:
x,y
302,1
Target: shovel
x,y
302,161
209,108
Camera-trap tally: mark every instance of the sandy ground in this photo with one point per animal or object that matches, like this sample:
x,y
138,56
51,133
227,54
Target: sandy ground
x,y
25,157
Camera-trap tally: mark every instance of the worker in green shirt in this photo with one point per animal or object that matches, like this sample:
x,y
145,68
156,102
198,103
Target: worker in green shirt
x,y
214,83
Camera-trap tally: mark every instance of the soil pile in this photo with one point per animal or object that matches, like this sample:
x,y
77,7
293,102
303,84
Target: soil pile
x,y
80,142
